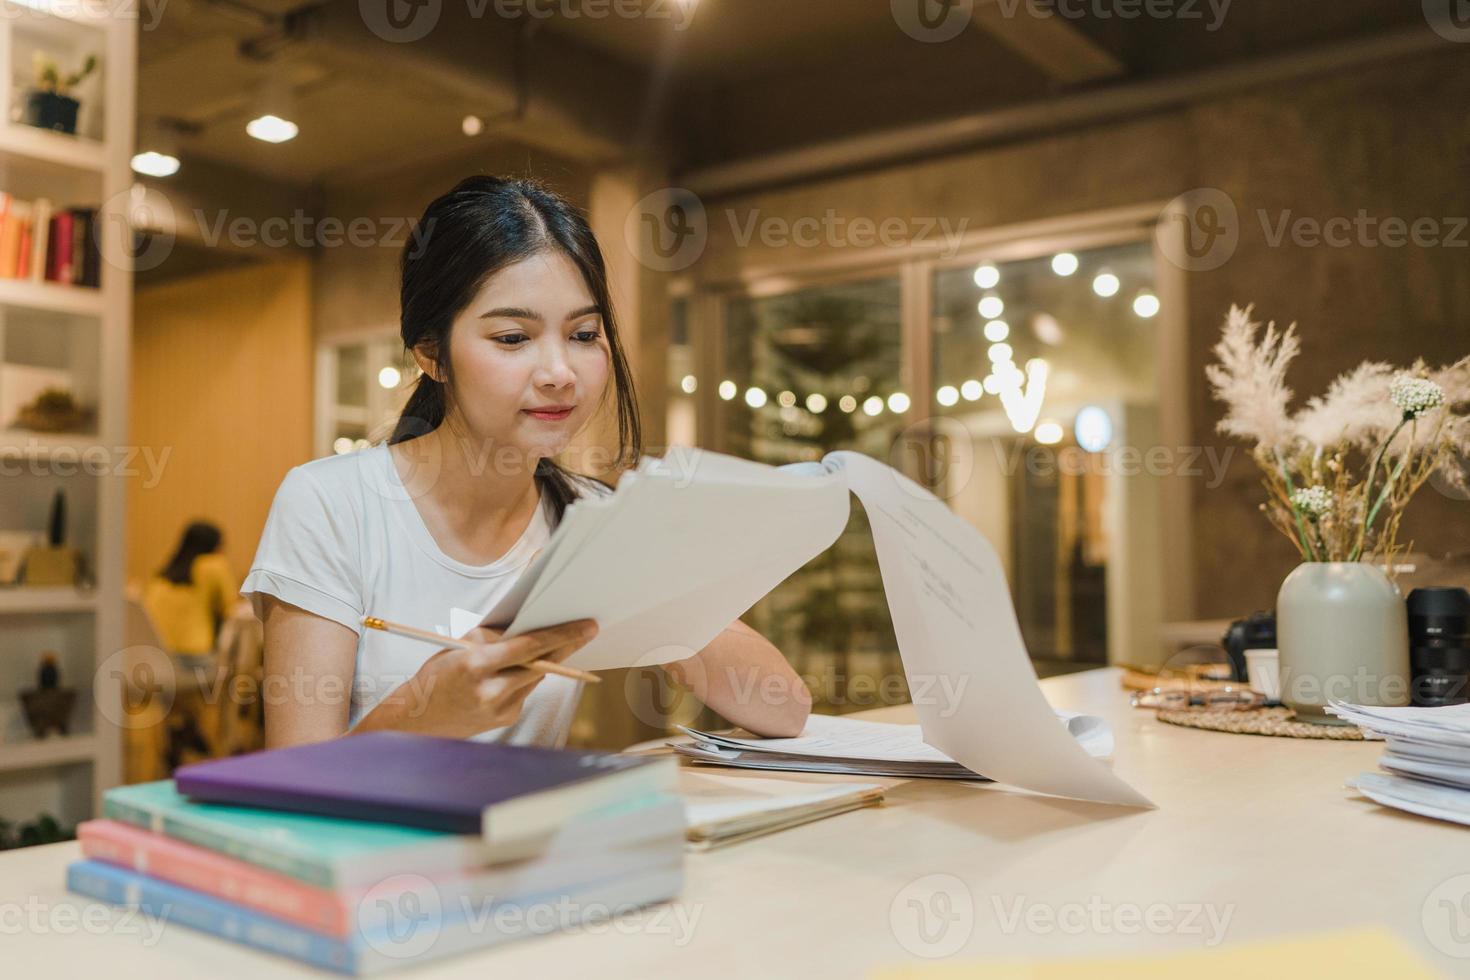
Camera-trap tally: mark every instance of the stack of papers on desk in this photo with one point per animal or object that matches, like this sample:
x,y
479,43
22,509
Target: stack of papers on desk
x,y
1427,758
850,746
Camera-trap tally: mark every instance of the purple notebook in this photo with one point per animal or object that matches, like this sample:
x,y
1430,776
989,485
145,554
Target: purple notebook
x,y
446,784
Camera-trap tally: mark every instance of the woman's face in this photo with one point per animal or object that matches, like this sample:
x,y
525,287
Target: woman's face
x,y
530,358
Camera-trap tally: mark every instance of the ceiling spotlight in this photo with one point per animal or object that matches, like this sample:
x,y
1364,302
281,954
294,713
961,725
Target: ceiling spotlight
x,y
1000,352
1146,305
154,164
728,390
1106,284
786,399
755,397
689,384
991,307
948,396
389,377
997,330
873,406
271,129
898,403
472,125
847,403
972,390
816,403
1064,264
987,276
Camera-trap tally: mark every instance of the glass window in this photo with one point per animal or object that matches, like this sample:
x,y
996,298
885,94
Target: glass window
x,y
805,373
1043,368
371,381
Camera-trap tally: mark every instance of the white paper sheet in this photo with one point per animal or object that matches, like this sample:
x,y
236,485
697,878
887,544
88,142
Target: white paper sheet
x,y
707,537
953,617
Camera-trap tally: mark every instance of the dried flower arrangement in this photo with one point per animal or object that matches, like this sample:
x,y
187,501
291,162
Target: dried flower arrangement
x,y
1340,472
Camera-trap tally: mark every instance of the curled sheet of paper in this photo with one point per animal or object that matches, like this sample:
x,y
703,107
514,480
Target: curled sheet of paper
x,y
954,620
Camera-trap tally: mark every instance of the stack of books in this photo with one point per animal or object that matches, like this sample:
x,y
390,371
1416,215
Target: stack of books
x,y
1426,761
43,243
382,850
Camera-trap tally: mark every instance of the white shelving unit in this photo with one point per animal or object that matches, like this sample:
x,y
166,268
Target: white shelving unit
x,y
85,333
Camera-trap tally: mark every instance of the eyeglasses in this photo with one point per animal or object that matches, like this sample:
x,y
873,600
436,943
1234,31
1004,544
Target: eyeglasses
x,y
1229,697
1198,679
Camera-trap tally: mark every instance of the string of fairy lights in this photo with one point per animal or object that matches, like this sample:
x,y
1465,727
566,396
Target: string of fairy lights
x,y
1021,389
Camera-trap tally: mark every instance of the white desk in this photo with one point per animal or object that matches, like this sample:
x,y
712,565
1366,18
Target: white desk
x,y
1259,829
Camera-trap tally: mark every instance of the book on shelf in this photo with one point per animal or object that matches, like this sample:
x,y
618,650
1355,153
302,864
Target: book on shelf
x,y
42,243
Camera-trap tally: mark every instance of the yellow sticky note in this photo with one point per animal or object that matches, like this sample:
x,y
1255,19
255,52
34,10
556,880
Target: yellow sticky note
x,y
1354,953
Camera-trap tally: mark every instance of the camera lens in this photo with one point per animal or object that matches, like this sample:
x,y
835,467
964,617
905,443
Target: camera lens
x,y
1439,646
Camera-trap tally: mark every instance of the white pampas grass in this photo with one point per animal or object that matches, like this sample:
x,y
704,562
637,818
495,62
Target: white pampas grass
x,y
1404,426
1356,410
1250,379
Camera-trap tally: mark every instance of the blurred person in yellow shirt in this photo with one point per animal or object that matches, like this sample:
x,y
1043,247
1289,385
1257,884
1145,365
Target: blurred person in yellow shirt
x,y
193,594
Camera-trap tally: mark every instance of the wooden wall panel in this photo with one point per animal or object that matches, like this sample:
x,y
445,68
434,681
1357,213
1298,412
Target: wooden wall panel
x,y
222,383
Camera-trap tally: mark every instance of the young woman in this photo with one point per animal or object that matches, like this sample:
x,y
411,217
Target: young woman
x,y
191,596
505,308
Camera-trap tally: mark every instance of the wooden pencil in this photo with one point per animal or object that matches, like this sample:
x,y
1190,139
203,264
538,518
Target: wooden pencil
x,y
413,633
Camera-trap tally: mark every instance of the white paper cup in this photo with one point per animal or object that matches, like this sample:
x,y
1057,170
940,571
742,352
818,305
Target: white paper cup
x,y
1263,673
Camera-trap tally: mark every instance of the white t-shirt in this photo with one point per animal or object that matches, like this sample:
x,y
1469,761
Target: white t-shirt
x,y
344,540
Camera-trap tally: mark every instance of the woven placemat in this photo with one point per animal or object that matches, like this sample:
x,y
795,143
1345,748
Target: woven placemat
x,y
1260,721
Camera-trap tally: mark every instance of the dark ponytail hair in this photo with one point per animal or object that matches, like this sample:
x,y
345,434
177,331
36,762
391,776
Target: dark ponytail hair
x,y
481,226
200,538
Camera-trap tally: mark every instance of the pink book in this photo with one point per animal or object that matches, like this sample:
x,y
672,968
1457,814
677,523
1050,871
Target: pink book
x,y
626,844
318,909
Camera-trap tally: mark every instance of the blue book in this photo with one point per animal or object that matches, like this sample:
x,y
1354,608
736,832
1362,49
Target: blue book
x,y
447,784
418,930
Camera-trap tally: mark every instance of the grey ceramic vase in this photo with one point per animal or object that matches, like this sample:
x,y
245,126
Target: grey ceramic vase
x,y
1343,632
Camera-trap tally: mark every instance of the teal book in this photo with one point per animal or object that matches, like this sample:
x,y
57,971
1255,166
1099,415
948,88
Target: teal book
x,y
323,851
334,852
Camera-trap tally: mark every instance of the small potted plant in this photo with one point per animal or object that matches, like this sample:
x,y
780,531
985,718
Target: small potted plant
x,y
50,104
48,706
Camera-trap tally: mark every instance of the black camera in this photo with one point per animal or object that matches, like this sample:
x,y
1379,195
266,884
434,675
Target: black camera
x,y
1256,632
1439,646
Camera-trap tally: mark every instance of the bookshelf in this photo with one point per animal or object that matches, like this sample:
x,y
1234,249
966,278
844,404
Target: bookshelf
x,y
82,335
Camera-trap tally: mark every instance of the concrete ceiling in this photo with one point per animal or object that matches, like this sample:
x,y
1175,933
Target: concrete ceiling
x,y
694,85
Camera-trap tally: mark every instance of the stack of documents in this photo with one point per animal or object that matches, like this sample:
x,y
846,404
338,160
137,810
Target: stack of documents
x,y
851,746
1427,758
